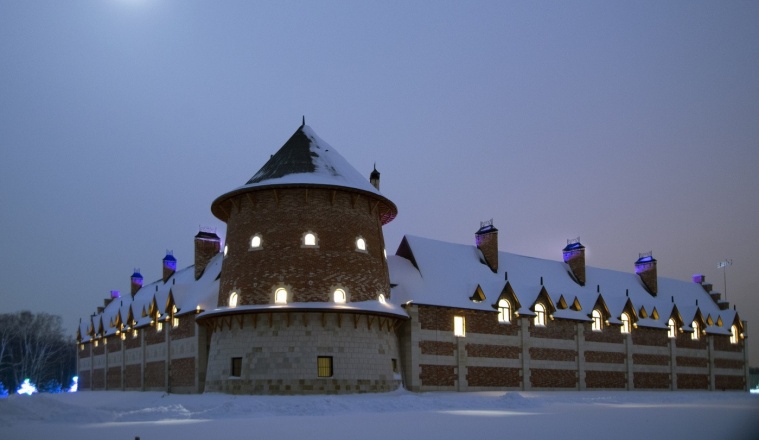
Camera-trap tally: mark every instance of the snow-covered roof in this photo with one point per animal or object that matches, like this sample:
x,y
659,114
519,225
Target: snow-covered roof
x,y
433,272
306,159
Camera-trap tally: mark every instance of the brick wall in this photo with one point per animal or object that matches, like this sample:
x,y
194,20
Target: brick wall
x,y
606,357
689,361
651,380
493,377
114,344
131,342
152,336
724,382
114,378
552,354
650,359
98,379
605,379
132,377
183,372
692,381
337,217
437,375
437,348
86,352
684,341
85,380
186,328
722,343
155,375
543,378
609,334
728,363
557,329
650,336
476,321
492,351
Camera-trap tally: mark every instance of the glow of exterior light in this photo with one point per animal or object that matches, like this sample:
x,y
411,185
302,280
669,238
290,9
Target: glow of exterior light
x,y
27,388
74,385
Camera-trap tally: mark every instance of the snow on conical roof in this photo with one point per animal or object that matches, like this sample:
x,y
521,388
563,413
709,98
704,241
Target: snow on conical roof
x,y
306,159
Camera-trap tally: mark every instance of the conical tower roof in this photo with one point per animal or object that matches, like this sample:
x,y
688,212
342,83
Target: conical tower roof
x,y
307,160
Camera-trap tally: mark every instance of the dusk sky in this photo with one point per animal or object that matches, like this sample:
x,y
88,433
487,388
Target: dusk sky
x,y
632,125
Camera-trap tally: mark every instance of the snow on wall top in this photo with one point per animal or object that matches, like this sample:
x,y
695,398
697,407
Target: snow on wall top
x,y
447,274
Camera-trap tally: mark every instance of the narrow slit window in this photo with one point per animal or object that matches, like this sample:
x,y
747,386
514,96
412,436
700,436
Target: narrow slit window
x,y
236,368
360,244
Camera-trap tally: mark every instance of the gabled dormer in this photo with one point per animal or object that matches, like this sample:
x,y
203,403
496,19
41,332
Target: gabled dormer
x,y
507,304
478,295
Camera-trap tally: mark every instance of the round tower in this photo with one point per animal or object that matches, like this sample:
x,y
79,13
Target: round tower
x,y
301,305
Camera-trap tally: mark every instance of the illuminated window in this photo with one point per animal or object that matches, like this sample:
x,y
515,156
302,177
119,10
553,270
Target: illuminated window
x,y
339,296
255,242
504,311
233,299
540,315
625,318
309,239
324,366
236,369
381,299
175,322
123,336
597,321
459,328
96,343
158,326
81,347
360,244
671,328
134,334
226,250
734,334
696,331
280,296
384,252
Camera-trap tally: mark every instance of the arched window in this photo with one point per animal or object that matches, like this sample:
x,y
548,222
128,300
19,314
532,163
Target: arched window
x,y
233,299
696,335
504,311
734,334
280,296
255,242
625,318
381,298
671,328
540,315
339,296
309,239
360,244
597,321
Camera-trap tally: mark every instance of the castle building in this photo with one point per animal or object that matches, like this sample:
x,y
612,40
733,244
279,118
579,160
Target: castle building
x,y
303,299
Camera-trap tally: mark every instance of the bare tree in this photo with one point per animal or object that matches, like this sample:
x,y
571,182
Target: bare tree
x,y
33,346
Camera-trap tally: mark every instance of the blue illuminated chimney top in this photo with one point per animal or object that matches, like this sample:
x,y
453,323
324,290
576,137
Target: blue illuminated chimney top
x,y
169,265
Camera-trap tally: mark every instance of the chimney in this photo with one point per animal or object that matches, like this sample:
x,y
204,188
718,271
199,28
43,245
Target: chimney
x,y
136,281
207,245
169,265
486,239
574,256
645,267
374,177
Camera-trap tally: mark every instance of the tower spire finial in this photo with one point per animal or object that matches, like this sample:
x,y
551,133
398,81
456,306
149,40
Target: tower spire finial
x,y
304,121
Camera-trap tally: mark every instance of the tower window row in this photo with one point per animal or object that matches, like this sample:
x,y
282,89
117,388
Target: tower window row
x,y
282,296
309,239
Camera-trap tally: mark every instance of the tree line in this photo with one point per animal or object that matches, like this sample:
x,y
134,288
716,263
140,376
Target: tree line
x,y
35,347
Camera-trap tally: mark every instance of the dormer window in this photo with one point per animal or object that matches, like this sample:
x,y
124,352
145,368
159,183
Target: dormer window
x,y
504,311
360,244
734,334
540,315
309,240
671,328
625,318
597,325
233,297
339,296
696,331
255,242
280,296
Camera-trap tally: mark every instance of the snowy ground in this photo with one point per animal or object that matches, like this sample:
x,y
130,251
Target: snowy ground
x,y
557,415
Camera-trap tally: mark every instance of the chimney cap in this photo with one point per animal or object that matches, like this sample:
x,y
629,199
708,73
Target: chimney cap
x,y
573,244
169,256
646,257
137,274
486,226
375,174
